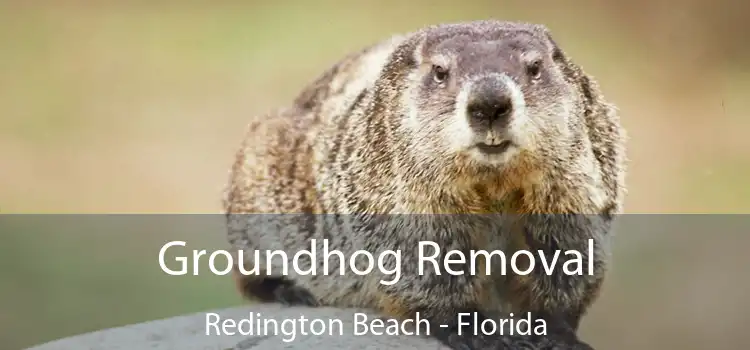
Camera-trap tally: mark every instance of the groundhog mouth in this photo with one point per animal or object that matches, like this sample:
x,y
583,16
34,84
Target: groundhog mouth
x,y
494,149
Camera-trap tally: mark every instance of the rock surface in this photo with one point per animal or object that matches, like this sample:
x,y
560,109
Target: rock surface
x,y
189,333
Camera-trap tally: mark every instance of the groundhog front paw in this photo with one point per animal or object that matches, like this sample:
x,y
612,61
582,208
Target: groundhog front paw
x,y
466,338
292,295
505,342
457,337
551,342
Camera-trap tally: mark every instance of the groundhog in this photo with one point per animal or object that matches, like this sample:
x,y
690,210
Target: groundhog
x,y
486,129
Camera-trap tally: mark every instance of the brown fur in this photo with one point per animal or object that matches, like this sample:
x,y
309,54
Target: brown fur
x,y
348,144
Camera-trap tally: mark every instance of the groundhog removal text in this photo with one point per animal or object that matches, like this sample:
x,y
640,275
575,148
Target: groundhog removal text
x,y
388,263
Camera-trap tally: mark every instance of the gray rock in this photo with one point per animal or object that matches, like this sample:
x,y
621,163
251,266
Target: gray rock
x,y
189,333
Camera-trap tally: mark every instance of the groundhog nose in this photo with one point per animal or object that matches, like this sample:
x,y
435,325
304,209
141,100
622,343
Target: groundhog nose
x,y
490,103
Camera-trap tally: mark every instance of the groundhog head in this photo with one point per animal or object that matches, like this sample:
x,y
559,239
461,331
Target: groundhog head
x,y
487,94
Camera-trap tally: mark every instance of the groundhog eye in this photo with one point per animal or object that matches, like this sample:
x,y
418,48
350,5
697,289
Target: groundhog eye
x,y
439,73
534,69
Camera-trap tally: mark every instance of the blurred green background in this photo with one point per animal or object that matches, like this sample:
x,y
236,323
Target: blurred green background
x,y
137,107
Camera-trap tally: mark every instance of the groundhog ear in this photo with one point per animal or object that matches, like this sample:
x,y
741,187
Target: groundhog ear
x,y
557,54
